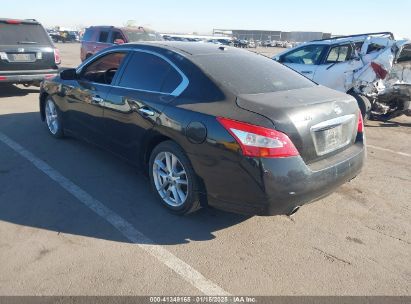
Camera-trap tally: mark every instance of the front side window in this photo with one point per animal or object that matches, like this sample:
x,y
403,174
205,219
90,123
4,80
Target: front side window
x,y
149,72
116,35
339,54
103,36
103,69
310,55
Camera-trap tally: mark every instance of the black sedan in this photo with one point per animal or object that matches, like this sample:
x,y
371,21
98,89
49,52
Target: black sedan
x,y
211,125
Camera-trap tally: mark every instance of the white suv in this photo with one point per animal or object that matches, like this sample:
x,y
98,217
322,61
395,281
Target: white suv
x,y
352,64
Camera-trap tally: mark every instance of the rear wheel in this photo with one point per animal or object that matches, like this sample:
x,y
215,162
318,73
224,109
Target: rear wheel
x,y
173,178
364,104
53,118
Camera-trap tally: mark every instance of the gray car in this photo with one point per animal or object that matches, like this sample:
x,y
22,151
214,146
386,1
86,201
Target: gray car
x,y
27,54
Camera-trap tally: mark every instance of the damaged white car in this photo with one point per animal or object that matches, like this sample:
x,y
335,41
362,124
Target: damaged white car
x,y
374,68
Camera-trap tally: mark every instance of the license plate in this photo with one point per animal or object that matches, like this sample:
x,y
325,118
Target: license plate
x,y
332,138
21,57
333,134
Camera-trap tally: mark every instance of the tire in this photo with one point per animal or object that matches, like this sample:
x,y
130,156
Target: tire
x,y
364,104
53,118
163,182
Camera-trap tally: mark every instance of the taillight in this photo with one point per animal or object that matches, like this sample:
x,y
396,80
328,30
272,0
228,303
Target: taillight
x,y
258,141
360,126
57,58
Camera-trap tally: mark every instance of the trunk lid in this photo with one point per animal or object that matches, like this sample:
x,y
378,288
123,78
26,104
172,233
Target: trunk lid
x,y
319,121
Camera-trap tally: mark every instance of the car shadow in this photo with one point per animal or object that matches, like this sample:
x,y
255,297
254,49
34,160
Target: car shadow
x,y
389,124
30,198
10,90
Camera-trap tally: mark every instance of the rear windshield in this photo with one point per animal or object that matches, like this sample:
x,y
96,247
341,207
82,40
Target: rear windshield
x,y
24,34
142,35
251,74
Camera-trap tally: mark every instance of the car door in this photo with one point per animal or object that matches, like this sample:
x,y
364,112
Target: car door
x,y
148,83
85,99
304,60
337,69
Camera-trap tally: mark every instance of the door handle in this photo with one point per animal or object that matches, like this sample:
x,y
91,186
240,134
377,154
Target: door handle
x,y
97,99
307,72
145,111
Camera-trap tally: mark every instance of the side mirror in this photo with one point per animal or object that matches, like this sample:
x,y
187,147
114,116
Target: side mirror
x,y
276,58
119,41
69,74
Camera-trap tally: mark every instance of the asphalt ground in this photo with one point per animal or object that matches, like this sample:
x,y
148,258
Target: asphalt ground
x,y
76,220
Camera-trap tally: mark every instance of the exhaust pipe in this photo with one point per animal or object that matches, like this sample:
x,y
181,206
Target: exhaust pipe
x,y
294,211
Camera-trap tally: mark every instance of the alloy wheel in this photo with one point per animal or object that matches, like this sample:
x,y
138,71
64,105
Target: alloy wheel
x,y
51,117
170,179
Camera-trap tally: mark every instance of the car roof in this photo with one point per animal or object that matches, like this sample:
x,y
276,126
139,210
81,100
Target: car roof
x,y
188,48
26,21
350,38
128,28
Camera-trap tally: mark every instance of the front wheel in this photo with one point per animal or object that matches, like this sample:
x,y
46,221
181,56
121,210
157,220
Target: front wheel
x,y
53,118
173,178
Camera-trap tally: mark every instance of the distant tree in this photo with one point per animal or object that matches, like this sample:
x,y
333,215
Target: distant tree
x,y
80,27
130,23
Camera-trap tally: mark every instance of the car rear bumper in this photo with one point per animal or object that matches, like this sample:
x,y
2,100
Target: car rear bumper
x,y
27,76
286,183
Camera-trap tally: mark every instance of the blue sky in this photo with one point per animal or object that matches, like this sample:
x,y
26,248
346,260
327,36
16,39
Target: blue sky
x,y
338,17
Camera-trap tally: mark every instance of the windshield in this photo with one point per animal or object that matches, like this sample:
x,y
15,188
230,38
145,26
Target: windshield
x,y
13,34
142,35
251,74
309,55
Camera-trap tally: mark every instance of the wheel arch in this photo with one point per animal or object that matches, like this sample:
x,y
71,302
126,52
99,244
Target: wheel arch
x,y
153,140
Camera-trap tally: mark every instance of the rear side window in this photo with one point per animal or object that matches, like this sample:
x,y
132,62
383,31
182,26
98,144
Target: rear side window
x,y
23,34
149,72
103,36
251,73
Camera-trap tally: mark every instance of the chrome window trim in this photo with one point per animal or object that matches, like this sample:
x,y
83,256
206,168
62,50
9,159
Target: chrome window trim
x,y
177,91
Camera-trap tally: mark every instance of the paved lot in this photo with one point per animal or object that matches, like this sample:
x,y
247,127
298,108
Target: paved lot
x,y
75,220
